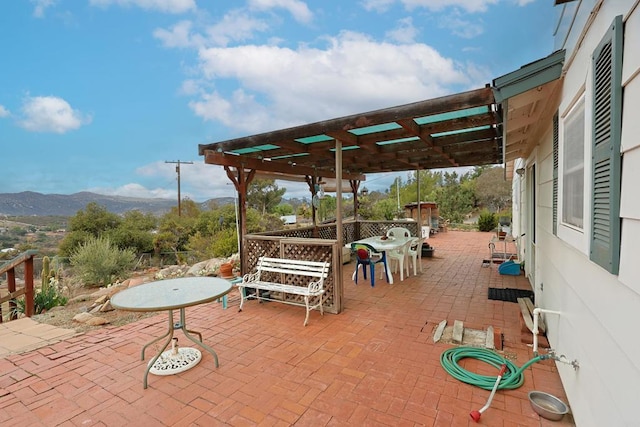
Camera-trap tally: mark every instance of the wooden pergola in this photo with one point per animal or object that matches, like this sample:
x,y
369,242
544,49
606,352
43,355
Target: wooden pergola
x,y
463,129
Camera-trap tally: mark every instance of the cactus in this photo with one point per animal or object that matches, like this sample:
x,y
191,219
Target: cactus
x,y
44,276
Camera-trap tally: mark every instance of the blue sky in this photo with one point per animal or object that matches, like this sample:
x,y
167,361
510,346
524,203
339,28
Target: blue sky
x,y
96,95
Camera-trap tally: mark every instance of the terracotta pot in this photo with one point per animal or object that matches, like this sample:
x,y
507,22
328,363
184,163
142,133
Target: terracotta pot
x,y
226,270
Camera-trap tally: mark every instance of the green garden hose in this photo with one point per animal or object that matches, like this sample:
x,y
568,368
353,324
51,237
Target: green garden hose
x,y
511,379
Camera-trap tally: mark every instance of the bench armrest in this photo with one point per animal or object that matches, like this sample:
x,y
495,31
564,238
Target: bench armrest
x,y
250,277
316,286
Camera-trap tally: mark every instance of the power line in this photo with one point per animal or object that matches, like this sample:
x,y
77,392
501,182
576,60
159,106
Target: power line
x,y
178,163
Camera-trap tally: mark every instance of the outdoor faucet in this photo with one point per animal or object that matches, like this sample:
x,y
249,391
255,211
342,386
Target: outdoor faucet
x,y
562,359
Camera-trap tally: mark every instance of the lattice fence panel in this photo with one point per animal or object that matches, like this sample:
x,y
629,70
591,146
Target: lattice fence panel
x,y
257,246
309,252
379,228
303,249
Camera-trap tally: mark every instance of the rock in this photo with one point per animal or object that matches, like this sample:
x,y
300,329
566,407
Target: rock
x,y
80,298
197,268
95,309
135,281
115,289
100,292
102,300
106,307
96,321
82,317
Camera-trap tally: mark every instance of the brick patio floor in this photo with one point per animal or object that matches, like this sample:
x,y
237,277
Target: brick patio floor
x,y
375,364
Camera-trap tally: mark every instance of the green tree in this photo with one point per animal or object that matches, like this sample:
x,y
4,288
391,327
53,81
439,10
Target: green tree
x,y
215,233
135,231
304,210
493,190
174,231
428,184
284,209
455,196
385,209
264,195
93,221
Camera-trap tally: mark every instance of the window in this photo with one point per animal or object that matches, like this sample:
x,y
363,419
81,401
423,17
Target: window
x,y
573,167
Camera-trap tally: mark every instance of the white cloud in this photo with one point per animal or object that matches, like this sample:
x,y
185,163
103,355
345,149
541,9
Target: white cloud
x,y
377,5
50,114
135,190
461,27
4,112
470,6
285,87
405,32
198,181
41,6
298,9
165,6
233,27
179,35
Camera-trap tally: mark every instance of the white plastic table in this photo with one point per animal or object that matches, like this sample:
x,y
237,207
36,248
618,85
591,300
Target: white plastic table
x,y
385,245
169,295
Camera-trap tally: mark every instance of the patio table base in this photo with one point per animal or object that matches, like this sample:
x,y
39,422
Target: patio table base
x,y
170,363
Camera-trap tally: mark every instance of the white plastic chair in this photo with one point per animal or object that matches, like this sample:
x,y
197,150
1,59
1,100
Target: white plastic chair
x,y
415,254
398,232
396,258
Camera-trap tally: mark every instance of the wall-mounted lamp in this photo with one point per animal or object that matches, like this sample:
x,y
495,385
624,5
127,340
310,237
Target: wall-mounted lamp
x,y
520,171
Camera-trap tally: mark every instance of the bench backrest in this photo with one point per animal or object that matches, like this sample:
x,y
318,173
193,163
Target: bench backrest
x,y
294,266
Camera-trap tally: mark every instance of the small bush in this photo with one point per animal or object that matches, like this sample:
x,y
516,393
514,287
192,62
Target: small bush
x,y
97,261
487,221
45,299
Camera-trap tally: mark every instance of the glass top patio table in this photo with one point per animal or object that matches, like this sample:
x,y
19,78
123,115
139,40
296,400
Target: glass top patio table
x,y
169,295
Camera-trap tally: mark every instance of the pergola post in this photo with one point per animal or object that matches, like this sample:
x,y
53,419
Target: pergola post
x,y
241,181
339,236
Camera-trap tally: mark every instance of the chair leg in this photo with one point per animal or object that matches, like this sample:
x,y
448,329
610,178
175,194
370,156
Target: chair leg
x,y
373,274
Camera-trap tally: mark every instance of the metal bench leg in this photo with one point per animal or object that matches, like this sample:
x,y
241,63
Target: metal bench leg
x,y
306,303
242,296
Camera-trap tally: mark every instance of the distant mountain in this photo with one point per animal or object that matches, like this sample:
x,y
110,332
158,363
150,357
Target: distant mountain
x,y
32,203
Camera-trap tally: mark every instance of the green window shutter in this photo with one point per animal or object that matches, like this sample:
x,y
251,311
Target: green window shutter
x,y
606,158
555,174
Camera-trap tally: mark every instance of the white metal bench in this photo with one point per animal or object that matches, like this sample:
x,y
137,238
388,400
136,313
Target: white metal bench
x,y
288,271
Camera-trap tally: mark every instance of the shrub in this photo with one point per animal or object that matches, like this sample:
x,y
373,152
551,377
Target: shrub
x,y
487,221
45,298
97,261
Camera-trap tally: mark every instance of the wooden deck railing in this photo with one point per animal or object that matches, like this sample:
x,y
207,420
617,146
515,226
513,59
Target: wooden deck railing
x,y
26,260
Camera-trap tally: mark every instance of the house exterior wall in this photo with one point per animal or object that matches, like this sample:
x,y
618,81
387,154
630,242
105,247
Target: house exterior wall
x,y
600,312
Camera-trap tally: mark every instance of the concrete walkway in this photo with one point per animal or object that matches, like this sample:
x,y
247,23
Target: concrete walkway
x,y
22,335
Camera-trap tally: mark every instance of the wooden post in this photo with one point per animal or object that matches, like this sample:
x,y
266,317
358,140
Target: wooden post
x,y
11,287
29,293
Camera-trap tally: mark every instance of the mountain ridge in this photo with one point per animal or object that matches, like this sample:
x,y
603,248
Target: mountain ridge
x,y
27,203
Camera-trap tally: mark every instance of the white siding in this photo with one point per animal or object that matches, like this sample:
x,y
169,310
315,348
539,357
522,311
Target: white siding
x,y
600,311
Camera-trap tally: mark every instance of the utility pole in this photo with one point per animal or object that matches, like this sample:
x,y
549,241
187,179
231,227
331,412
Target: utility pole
x,y
178,163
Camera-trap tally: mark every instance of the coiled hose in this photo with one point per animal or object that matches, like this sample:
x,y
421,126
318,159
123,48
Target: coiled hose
x,y
512,378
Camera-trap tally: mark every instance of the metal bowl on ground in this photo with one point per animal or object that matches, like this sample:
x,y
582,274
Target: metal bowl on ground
x,y
547,405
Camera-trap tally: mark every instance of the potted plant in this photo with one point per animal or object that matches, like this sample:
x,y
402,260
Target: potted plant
x,y
427,250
